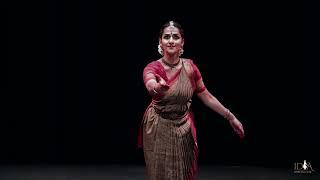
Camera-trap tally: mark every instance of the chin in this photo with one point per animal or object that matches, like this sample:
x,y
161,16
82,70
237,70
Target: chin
x,y
172,52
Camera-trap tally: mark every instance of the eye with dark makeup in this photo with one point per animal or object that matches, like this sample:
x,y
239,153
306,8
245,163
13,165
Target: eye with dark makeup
x,y
166,36
174,36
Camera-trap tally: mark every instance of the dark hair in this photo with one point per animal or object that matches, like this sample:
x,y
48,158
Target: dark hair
x,y
175,24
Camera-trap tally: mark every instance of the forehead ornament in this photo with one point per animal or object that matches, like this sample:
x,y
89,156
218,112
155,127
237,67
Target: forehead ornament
x,y
171,24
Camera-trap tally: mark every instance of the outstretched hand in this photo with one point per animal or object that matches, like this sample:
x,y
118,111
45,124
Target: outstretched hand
x,y
163,86
237,127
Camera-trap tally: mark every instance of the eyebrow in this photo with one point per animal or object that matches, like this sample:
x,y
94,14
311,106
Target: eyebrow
x,y
167,34
172,33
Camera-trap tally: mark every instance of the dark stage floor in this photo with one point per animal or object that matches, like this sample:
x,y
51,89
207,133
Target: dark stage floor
x,y
121,172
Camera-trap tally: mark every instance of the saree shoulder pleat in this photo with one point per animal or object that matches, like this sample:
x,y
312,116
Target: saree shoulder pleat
x,y
168,132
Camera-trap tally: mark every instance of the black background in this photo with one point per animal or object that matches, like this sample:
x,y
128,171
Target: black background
x,y
72,90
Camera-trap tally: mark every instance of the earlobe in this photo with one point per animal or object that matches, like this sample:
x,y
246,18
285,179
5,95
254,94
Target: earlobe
x,y
160,49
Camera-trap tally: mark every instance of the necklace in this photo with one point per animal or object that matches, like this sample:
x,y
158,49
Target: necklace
x,y
170,65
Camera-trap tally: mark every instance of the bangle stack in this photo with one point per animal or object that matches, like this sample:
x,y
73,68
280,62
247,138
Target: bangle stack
x,y
228,115
154,90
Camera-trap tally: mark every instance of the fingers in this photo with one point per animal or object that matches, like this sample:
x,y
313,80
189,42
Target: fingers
x,y
238,128
241,134
164,85
157,77
162,82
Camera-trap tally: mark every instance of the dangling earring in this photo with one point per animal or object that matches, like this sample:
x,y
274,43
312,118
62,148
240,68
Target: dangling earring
x,y
181,51
160,49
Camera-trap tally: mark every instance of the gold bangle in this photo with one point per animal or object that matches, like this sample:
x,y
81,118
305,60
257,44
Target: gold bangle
x,y
154,90
227,114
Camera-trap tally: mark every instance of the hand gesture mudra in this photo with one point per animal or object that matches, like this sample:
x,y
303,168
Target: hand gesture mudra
x,y
237,127
162,85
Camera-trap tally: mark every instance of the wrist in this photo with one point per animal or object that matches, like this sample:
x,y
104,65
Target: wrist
x,y
156,88
228,115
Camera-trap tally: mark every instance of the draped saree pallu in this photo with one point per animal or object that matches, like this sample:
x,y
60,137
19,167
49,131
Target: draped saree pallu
x,y
168,134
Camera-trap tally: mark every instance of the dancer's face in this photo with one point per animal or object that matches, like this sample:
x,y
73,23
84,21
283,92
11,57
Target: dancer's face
x,y
171,40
